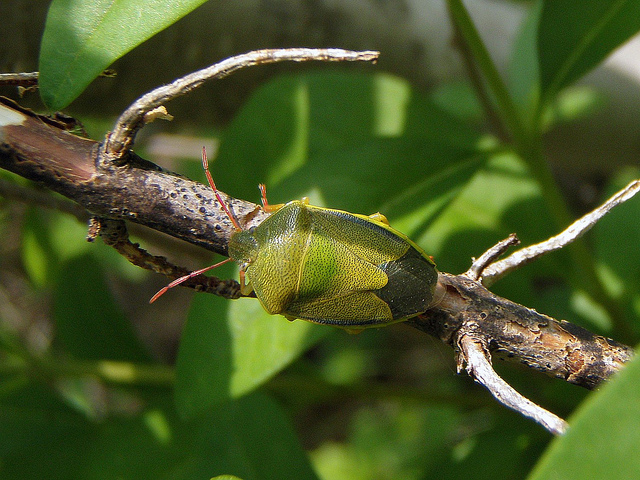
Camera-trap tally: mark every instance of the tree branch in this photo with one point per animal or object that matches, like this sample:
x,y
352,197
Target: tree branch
x,y
477,324
519,334
114,188
474,354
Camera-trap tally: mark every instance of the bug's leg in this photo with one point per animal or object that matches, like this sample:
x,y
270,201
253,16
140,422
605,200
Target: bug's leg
x,y
183,279
266,206
353,331
379,217
245,288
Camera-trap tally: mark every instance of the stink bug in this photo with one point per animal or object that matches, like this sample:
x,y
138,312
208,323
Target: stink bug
x,y
329,266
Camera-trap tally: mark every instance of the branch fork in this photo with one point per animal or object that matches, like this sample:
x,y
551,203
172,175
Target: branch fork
x,y
576,344
120,140
474,357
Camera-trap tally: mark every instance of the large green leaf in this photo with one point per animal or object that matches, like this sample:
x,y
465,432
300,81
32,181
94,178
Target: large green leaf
x,y
251,438
524,82
230,348
350,141
604,435
576,35
83,37
89,323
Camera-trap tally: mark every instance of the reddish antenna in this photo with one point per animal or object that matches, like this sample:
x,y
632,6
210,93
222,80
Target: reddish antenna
x,y
205,165
263,196
234,220
266,206
180,280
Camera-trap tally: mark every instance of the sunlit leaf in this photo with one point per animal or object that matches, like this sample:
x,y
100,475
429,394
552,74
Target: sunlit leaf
x,y
576,35
229,348
83,37
604,435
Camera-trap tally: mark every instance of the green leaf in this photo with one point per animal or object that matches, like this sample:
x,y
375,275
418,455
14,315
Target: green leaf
x,y
618,264
576,35
475,220
264,344
89,323
38,257
524,68
43,438
229,348
362,143
82,38
619,230
604,435
272,449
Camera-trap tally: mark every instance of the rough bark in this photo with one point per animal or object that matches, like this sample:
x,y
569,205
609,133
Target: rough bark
x,y
138,191
519,334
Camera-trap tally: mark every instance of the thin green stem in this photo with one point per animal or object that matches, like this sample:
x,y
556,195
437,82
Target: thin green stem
x,y
533,154
527,142
507,111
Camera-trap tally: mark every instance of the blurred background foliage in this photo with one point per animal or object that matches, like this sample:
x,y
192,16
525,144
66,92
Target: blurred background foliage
x,y
95,383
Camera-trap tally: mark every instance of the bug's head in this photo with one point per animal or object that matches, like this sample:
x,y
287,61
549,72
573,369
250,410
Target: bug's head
x,y
243,246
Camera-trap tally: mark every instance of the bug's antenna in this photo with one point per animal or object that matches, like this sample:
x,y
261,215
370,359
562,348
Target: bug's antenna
x,y
263,195
234,220
266,206
205,165
183,279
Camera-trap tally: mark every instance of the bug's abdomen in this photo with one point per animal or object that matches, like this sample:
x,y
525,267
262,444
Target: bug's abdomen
x,y
337,287
411,285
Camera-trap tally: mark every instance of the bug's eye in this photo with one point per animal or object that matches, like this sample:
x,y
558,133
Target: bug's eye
x,y
252,230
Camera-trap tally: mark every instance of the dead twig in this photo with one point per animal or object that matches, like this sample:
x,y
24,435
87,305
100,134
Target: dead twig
x,y
121,139
494,272
488,257
114,233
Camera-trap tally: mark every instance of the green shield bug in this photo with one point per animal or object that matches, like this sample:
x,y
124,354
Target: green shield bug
x,y
329,266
